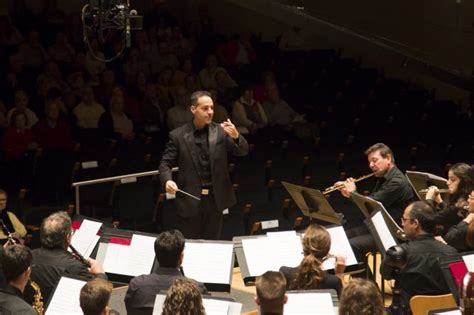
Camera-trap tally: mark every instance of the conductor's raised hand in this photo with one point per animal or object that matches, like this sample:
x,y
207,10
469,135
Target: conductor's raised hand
x,y
171,187
229,128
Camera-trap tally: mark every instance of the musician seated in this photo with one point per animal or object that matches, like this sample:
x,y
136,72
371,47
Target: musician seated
x,y
95,296
309,275
52,260
361,296
271,293
460,183
16,267
10,221
141,293
457,235
422,273
183,297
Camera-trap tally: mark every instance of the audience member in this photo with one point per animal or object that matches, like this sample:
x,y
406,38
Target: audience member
x,y
16,267
21,104
53,260
88,111
180,113
61,51
309,274
152,110
207,76
114,123
191,83
169,250
247,114
180,74
183,298
107,85
361,296
277,110
271,293
220,112
10,220
227,88
33,51
422,273
95,296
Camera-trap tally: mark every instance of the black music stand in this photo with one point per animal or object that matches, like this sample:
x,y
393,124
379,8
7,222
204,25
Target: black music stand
x,y
369,206
313,203
421,180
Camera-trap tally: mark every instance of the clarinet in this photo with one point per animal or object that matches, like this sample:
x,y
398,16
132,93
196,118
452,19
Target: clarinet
x,y
6,231
79,257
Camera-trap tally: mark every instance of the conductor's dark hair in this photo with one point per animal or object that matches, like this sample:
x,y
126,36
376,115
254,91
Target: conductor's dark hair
x,y
196,95
168,248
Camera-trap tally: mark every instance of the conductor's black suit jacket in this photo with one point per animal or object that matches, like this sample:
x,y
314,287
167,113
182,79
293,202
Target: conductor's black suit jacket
x,y
181,151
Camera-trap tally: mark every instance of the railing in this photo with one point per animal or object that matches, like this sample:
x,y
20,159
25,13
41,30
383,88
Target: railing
x,y
77,185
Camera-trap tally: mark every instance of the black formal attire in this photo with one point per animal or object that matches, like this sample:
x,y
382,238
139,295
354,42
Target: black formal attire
x,y
201,156
142,291
457,236
330,281
50,264
12,302
422,274
395,193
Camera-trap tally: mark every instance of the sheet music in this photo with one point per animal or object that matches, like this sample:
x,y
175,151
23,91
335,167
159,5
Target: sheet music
x,y
383,231
340,246
86,237
211,306
271,253
281,234
469,261
208,262
309,303
133,260
89,251
66,297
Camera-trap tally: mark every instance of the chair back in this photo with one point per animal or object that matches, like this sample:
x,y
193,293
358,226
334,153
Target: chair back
x,y
421,304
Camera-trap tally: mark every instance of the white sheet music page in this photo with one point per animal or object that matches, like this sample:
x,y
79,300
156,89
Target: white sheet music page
x,y
281,234
271,253
66,298
340,246
116,258
382,230
469,261
158,307
309,303
142,255
215,307
86,237
208,262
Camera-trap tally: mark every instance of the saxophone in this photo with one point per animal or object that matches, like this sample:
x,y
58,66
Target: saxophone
x,y
37,298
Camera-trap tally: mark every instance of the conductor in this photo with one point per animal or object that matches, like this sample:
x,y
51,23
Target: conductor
x,y
200,148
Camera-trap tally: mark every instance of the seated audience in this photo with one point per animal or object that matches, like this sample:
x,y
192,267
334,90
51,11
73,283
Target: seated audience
x,y
16,267
18,139
95,296
180,113
143,289
53,260
152,109
277,110
10,220
247,114
309,275
183,298
88,111
271,293
361,296
21,104
220,112
207,76
115,124
422,273
227,89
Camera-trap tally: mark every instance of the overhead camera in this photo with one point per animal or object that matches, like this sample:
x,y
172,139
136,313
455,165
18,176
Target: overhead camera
x,y
101,16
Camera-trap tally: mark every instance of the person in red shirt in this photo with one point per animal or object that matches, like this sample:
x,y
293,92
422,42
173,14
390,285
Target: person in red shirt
x,y
18,139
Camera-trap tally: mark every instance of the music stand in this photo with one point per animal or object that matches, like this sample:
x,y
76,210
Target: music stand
x,y
380,231
369,206
312,203
420,180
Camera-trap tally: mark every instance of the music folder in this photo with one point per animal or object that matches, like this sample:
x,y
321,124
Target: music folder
x,y
368,206
212,306
312,203
209,262
454,269
125,254
422,180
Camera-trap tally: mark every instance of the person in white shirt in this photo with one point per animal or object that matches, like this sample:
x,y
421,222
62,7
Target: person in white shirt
x,y
88,111
21,104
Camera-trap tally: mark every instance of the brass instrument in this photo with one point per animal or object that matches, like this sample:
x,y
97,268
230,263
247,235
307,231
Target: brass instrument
x,y
37,298
337,187
441,191
79,257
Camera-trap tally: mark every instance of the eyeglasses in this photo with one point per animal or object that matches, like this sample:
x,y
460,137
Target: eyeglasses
x,y
405,219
